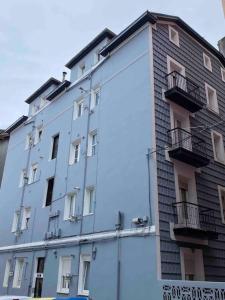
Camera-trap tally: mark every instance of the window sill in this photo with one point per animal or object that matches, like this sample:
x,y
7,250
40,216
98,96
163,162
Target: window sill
x,y
90,214
212,110
83,293
219,161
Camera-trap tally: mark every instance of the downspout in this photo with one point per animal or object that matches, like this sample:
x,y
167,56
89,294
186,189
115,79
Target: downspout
x,y
148,155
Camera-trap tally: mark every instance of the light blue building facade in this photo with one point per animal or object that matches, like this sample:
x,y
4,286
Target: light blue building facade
x,y
80,195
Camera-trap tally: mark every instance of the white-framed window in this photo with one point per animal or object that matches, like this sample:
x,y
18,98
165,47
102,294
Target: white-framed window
x,y
15,221
38,134
211,97
207,62
92,143
6,274
174,36
69,209
74,152
89,196
97,56
81,69
49,191
26,218
173,65
218,146
95,96
64,275
192,265
78,108
18,273
84,274
23,178
55,146
29,141
221,191
33,173
223,74
43,101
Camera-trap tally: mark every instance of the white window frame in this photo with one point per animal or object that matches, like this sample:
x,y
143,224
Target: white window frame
x,y
23,174
33,173
18,273
29,141
60,289
77,104
81,280
26,215
69,197
74,148
170,61
207,62
89,199
215,107
81,69
215,133
97,56
91,145
223,74
7,273
15,222
221,189
175,40
198,260
37,137
93,97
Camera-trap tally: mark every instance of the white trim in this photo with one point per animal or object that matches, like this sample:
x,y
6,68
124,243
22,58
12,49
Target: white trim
x,y
81,280
172,60
222,209
218,134
207,62
215,107
18,273
223,74
6,274
80,239
62,259
15,222
175,40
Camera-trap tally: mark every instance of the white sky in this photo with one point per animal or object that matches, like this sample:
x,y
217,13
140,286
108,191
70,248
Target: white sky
x,y
38,37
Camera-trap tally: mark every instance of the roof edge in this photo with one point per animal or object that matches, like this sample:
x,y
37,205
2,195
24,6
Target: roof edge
x,y
16,124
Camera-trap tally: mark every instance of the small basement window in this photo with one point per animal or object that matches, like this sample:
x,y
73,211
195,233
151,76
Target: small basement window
x,y
207,62
174,36
211,97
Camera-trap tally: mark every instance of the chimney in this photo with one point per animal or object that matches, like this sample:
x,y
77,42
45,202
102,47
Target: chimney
x,y
64,76
221,46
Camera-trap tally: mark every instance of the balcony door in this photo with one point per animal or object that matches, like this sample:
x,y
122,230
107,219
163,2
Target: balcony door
x,y
38,277
181,135
176,69
192,266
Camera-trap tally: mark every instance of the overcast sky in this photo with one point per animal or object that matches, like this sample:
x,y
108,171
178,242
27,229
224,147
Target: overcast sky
x,y
37,37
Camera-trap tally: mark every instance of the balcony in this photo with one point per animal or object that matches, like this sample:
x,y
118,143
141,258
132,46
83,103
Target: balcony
x,y
187,147
183,92
194,220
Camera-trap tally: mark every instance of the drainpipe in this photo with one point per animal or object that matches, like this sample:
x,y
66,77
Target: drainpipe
x,y
148,155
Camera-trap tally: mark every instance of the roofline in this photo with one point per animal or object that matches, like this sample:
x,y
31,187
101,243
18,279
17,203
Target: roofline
x,y
16,124
100,37
58,90
152,18
41,89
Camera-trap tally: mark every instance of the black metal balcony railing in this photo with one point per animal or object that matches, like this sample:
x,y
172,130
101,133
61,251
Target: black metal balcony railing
x,y
187,147
188,215
183,91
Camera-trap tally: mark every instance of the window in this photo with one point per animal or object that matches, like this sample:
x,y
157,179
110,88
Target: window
x,y
74,152
95,98
89,201
64,275
81,69
223,74
15,221
221,191
23,178
207,62
18,274
92,143
97,57
69,210
6,275
211,98
84,275
192,267
38,134
49,194
43,102
26,218
218,146
29,141
78,109
33,173
55,145
174,36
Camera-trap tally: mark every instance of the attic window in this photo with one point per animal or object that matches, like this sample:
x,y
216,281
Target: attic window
x,y
174,36
207,62
81,69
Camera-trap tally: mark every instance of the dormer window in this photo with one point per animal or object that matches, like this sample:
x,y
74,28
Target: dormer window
x,y
81,69
174,36
207,62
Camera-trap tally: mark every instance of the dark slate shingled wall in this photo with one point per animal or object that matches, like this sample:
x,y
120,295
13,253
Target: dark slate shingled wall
x,y
190,55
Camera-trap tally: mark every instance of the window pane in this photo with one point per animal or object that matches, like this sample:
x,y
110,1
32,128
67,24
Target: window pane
x,y
49,192
55,146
